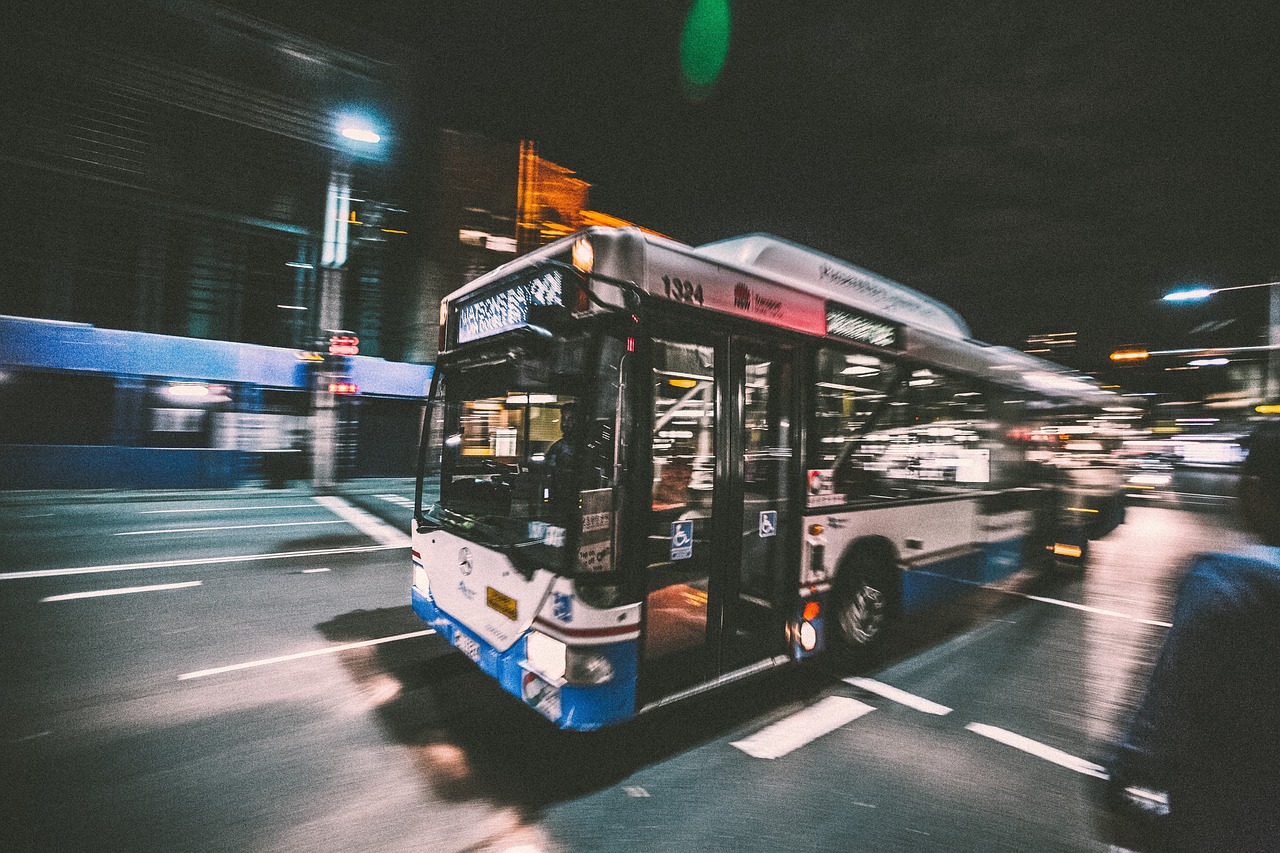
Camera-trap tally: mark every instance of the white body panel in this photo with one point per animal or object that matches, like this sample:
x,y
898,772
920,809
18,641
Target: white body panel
x,y
921,533
467,580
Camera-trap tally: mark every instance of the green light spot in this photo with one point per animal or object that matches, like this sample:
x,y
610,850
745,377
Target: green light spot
x,y
704,45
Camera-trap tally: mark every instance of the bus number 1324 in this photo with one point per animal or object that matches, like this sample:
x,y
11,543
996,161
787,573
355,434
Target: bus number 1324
x,y
682,291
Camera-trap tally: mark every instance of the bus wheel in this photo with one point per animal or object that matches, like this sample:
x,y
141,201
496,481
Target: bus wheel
x,y
863,600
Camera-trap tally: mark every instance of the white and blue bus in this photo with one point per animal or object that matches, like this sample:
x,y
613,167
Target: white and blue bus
x,y
650,469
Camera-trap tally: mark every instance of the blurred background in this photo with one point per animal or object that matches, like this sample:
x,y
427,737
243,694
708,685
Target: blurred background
x,y
231,223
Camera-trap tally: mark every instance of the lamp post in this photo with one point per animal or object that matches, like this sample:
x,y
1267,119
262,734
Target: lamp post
x,y
1271,386
355,138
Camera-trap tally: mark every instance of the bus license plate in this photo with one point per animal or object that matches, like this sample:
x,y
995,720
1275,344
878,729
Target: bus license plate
x,y
467,646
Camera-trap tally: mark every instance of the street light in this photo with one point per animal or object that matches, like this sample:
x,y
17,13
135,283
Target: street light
x,y
355,137
1271,387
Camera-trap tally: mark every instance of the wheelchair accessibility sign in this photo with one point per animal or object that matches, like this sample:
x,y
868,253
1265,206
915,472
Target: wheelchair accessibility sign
x,y
768,523
681,540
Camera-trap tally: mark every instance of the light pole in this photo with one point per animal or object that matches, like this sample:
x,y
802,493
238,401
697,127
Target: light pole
x,y
356,138
1271,386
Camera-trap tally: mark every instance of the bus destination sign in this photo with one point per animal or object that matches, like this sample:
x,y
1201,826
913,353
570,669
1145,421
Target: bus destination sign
x,y
853,326
508,308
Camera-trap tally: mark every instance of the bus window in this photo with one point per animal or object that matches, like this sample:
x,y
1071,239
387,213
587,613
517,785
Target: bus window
x,y
849,389
679,532
930,440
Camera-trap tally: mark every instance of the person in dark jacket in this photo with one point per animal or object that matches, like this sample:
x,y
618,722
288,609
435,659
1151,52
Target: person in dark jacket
x,y
561,477
1207,731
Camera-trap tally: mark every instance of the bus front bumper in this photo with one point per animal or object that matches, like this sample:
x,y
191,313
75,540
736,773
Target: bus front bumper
x,y
570,706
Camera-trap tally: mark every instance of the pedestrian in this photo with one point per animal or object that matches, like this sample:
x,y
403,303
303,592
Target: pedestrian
x,y
1207,731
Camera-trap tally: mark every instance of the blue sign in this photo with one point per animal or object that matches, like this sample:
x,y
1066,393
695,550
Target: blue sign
x,y
562,606
681,540
768,523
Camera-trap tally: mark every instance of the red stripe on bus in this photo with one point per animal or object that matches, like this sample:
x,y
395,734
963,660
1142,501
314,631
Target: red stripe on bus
x,y
611,631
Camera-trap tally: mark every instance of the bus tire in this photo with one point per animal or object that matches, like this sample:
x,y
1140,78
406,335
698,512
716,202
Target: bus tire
x,y
864,596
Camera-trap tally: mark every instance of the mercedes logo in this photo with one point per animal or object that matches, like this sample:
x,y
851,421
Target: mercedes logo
x,y
464,561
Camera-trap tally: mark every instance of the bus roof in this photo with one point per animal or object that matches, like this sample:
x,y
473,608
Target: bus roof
x,y
822,275
805,280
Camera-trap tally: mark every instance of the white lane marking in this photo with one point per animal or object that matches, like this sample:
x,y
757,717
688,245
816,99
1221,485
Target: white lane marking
x,y
802,727
1059,602
1095,610
35,736
367,523
327,650
99,593
314,571
225,509
902,697
231,527
635,791
1038,749
197,561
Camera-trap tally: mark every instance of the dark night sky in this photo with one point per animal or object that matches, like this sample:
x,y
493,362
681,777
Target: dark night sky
x,y
1038,166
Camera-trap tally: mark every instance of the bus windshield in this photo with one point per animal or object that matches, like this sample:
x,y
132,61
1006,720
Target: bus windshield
x,y
520,431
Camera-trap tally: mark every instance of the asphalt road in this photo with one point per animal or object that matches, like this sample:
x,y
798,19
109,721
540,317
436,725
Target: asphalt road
x,y
266,687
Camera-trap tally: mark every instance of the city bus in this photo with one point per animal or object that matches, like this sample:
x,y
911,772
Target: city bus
x,y
649,469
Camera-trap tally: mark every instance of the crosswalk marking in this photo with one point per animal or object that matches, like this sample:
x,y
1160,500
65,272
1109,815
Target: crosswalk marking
x,y
802,727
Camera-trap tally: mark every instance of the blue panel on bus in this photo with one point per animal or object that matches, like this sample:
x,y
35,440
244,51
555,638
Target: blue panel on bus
x,y
582,707
1003,559
936,582
933,583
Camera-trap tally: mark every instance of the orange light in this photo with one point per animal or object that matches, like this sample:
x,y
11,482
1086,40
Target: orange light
x,y
584,256
344,388
682,383
1130,355
1062,550
1267,409
811,610
815,529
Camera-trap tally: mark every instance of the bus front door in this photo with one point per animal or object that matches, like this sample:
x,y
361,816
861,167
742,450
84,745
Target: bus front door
x,y
719,526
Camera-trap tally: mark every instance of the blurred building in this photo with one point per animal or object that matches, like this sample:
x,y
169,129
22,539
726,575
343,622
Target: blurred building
x,y
490,201
171,161
1056,346
180,167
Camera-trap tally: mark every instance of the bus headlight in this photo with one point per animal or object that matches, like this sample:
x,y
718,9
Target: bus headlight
x,y
546,655
588,666
574,665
